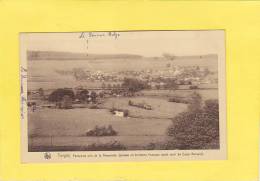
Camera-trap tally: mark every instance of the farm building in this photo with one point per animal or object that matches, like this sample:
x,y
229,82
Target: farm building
x,y
119,113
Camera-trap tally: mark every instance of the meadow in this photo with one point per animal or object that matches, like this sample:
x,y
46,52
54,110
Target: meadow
x,y
68,127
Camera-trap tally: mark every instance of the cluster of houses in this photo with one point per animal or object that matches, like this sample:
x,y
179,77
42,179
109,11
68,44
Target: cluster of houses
x,y
183,75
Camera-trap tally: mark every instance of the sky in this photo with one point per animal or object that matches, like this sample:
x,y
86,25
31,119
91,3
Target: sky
x,y
145,43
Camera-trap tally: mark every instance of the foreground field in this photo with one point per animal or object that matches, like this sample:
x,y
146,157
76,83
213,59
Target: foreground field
x,y
58,127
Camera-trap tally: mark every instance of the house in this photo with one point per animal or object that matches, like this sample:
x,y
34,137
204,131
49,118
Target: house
x,y
119,113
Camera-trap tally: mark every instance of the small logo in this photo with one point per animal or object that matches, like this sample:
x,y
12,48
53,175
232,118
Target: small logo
x,y
47,155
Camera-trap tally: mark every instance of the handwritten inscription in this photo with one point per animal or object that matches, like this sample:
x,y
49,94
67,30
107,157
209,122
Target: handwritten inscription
x,y
88,35
23,75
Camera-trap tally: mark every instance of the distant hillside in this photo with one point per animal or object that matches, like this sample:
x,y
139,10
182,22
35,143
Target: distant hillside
x,y
53,55
207,56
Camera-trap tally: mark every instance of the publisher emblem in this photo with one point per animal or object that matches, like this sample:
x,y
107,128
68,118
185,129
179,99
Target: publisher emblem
x,y
47,156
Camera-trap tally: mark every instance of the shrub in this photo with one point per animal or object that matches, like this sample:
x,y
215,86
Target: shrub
x,y
94,106
126,112
178,100
194,87
130,103
212,108
195,129
102,131
195,103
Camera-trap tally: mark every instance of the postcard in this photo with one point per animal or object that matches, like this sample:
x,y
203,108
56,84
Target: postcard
x,y
123,96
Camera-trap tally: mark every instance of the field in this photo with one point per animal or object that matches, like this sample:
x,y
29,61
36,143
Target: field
x,y
161,108
57,127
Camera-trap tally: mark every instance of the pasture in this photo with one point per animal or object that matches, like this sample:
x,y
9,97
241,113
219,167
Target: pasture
x,y
67,127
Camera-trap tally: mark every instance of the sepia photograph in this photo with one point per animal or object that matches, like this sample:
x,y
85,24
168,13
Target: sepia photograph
x,y
123,91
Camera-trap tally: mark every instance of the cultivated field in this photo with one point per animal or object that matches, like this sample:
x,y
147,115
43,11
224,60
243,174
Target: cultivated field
x,y
59,127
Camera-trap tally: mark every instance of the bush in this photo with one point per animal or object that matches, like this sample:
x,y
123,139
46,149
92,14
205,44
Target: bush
x,y
178,100
196,129
212,108
194,87
126,112
130,103
94,106
102,131
195,103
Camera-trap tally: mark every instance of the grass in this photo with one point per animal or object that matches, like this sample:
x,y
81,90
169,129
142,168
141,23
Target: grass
x,y
161,108
66,129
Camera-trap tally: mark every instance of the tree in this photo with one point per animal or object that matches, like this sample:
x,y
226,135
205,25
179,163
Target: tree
x,y
41,92
206,71
212,107
134,85
58,94
93,96
195,102
195,129
171,84
66,102
103,85
82,95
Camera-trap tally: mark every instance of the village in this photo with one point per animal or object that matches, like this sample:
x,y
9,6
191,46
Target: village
x,y
119,84
182,74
